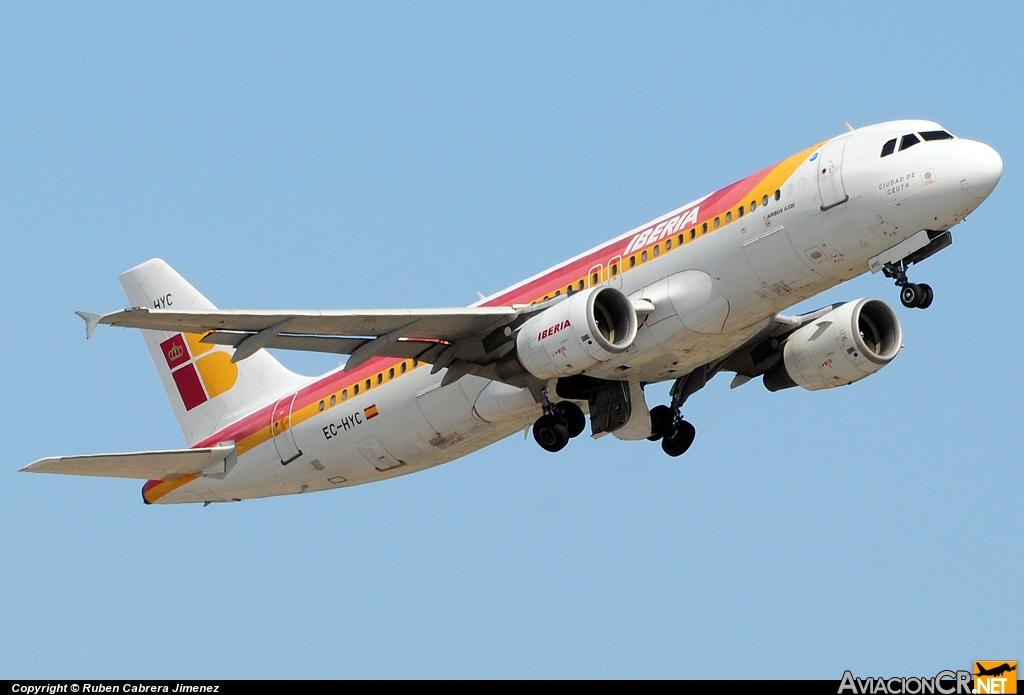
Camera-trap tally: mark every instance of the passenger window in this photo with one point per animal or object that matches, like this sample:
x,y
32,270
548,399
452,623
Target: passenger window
x,y
693,233
643,256
930,135
321,405
580,285
908,140
615,269
355,390
778,194
718,221
415,363
728,216
632,261
668,244
334,399
594,279
657,250
344,394
402,368
558,293
764,201
681,238
889,147
704,228
368,384
753,205
741,211
391,373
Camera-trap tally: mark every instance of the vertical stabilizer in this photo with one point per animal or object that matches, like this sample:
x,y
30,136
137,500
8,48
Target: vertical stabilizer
x,y
206,390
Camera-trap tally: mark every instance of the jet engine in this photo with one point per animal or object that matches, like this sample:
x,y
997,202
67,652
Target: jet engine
x,y
845,345
572,336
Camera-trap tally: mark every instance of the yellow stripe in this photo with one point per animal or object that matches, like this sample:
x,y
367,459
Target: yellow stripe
x,y
167,486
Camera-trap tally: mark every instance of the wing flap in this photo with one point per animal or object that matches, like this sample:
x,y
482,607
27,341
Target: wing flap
x,y
169,464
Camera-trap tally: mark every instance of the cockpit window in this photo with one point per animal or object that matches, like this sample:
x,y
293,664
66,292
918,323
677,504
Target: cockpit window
x,y
889,147
930,135
908,140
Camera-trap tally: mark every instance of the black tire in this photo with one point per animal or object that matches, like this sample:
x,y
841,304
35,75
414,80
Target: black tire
x,y
910,295
551,434
927,296
662,418
572,417
680,440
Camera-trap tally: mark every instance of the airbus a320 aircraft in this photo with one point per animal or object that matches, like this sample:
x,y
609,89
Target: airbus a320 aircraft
x,y
695,292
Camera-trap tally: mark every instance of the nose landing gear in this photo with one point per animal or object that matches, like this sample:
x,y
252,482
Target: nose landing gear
x,y
912,296
916,296
560,422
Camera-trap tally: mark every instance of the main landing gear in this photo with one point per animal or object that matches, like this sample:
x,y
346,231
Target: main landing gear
x,y
560,422
912,296
667,423
675,433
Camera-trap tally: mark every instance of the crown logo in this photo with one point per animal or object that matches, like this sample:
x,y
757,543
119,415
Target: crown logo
x,y
199,372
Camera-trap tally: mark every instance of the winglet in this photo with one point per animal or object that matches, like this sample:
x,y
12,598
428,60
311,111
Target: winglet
x,y
91,321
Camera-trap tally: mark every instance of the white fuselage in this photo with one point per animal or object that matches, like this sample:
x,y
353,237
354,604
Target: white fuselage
x,y
757,265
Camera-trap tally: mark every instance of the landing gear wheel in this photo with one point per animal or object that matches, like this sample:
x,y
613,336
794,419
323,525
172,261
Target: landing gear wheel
x,y
571,416
929,295
680,440
551,434
661,422
911,295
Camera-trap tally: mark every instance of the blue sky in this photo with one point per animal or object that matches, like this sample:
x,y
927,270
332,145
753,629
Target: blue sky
x,y
390,155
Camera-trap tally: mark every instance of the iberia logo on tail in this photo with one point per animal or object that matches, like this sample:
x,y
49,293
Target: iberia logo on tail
x,y
198,378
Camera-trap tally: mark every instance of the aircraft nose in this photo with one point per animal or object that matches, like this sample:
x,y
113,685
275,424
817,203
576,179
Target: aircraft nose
x,y
977,166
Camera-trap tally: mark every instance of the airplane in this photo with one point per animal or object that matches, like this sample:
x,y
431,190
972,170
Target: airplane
x,y
994,671
697,291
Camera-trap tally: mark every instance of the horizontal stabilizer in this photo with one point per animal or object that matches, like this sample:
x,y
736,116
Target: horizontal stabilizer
x,y
145,465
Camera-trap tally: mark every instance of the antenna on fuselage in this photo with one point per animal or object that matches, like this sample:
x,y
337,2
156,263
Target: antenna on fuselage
x,y
849,128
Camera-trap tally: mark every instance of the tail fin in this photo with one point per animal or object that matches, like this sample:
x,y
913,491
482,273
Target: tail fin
x,y
207,390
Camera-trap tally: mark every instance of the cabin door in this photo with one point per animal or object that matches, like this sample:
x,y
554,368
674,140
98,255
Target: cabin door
x,y
830,174
281,427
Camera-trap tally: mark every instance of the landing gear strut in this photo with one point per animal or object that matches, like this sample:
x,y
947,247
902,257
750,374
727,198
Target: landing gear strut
x,y
912,296
560,422
667,423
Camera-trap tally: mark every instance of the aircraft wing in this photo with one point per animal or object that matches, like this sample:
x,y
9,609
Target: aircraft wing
x,y
146,465
760,353
440,337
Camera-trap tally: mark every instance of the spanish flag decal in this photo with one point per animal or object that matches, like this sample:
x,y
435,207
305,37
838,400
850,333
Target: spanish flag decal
x,y
371,412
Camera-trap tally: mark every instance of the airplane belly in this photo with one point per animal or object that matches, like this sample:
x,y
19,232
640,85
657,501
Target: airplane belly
x,y
449,410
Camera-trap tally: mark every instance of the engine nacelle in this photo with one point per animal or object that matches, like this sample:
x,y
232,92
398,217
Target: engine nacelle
x,y
843,346
572,336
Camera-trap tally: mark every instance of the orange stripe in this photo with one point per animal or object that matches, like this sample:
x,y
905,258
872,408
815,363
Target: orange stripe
x,y
163,487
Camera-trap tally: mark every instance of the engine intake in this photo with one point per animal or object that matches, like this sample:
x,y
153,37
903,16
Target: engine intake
x,y
576,334
845,345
